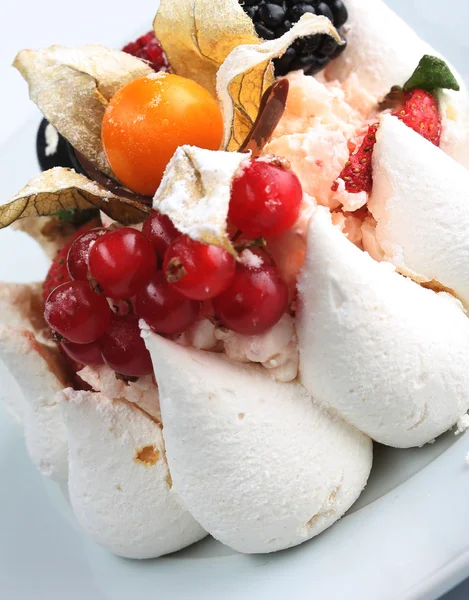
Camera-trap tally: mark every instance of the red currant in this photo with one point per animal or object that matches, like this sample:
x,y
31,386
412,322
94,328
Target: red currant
x,y
159,229
121,262
164,308
254,302
123,348
77,257
76,313
85,354
198,271
265,199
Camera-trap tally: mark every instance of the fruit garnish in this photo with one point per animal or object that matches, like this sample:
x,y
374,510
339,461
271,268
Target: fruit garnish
x,y
163,308
83,354
357,173
123,348
197,36
432,73
195,193
62,189
198,271
148,119
148,48
254,302
247,73
121,262
265,199
79,252
160,231
312,53
271,110
72,86
76,313
421,113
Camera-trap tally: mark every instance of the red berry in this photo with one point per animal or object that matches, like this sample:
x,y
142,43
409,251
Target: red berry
x,y
149,48
421,113
265,199
159,229
85,354
198,271
58,272
164,309
78,254
76,313
357,172
255,301
121,262
123,348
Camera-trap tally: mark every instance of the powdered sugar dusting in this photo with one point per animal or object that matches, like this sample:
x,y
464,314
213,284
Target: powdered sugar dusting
x,y
52,140
251,260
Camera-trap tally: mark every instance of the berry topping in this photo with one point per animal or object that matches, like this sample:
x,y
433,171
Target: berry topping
x,y
421,113
198,271
78,254
121,262
255,301
273,18
148,119
164,309
159,229
265,199
76,313
123,348
84,354
357,172
149,48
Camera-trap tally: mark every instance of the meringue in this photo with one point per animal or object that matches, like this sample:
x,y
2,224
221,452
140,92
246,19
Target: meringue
x,y
388,355
119,484
258,464
32,376
420,201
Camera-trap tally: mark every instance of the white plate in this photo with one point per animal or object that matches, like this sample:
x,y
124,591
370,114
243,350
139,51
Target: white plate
x,y
406,538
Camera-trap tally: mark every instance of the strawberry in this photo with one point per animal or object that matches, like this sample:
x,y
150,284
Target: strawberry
x,y
357,170
149,48
420,112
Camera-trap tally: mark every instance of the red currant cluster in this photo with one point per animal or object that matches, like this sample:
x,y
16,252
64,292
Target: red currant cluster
x,y
165,277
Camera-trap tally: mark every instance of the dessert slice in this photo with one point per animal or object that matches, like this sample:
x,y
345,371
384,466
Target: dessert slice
x,y
119,482
256,462
420,200
388,355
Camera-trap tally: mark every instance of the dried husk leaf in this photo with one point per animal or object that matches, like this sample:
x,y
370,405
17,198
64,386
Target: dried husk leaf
x,y
195,193
63,189
72,86
197,36
247,73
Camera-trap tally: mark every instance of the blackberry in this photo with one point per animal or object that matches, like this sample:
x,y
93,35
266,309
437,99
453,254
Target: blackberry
x,y
272,18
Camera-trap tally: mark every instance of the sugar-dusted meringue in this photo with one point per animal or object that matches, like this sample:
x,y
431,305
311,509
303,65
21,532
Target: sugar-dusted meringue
x,y
119,484
256,462
388,355
420,200
383,51
31,376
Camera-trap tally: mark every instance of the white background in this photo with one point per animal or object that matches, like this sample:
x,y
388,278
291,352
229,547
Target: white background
x,y
36,23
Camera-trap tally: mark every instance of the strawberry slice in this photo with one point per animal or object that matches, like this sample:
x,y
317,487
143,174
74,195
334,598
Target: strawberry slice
x,y
421,113
357,170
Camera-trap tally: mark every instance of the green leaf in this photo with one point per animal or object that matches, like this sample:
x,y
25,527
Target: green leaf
x,y
432,74
76,216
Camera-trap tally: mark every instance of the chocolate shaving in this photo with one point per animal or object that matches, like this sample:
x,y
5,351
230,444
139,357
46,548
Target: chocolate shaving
x,y
271,110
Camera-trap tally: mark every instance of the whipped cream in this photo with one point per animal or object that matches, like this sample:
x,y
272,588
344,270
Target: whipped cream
x,y
388,355
256,462
119,483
